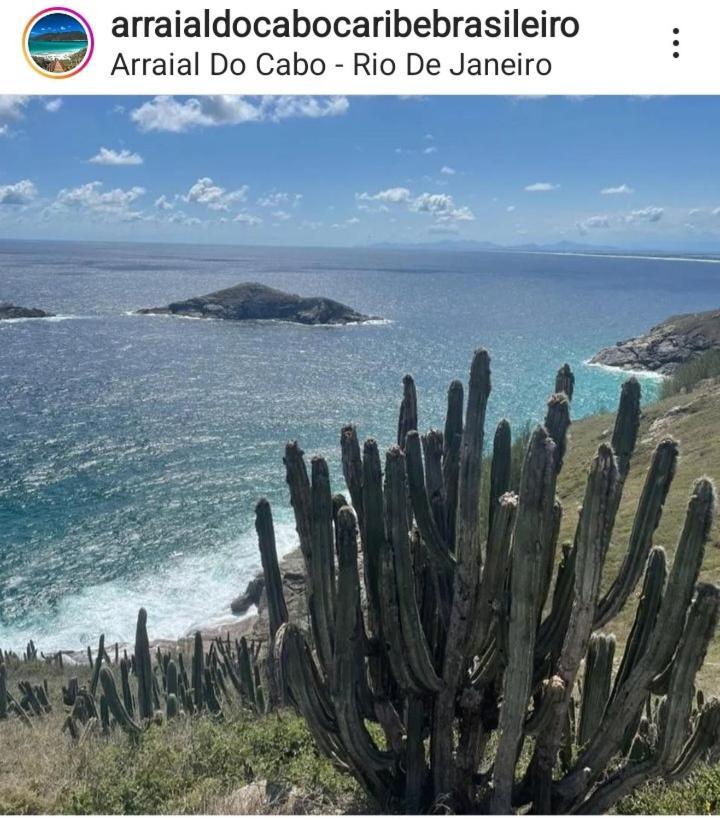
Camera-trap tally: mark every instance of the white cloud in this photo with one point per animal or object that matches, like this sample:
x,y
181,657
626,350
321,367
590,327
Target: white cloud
x,y
618,189
91,199
250,220
283,216
4,130
108,156
594,223
448,171
649,214
206,192
510,208
19,193
542,186
431,149
164,113
393,195
442,207
275,198
162,203
12,107
53,106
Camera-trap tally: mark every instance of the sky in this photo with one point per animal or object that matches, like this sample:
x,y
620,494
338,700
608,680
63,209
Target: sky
x,y
624,172
53,23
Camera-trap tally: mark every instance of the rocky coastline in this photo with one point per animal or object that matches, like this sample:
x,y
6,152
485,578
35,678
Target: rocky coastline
x,y
250,301
666,346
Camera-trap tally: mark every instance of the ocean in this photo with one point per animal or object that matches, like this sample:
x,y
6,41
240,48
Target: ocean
x,y
56,49
133,448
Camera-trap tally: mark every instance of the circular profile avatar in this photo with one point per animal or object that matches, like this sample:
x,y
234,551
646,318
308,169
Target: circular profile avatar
x,y
58,42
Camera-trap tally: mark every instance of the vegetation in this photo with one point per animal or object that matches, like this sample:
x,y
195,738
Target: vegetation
x,y
689,374
450,661
203,763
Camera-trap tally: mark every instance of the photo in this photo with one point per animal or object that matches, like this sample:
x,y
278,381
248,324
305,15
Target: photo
x,y
58,42
357,453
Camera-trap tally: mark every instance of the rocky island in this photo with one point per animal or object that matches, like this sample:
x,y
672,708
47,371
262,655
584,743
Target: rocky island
x,y
667,345
251,301
10,311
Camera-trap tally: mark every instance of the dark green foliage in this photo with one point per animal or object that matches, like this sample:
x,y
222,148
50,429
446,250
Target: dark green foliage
x,y
143,668
687,375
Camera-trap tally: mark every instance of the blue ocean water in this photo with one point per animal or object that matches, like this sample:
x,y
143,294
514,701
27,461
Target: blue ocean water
x,y
133,449
41,48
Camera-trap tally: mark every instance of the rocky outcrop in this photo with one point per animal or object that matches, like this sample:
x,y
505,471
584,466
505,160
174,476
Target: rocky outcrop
x,y
667,345
10,311
251,301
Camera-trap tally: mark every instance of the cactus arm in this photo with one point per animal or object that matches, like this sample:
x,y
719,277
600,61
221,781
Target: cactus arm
x,y
437,548
534,515
353,470
3,692
595,526
143,668
299,484
323,562
565,381
452,438
408,417
415,643
432,445
557,423
553,628
115,705
277,609
500,468
98,663
362,752
539,720
596,685
198,673
697,634
495,570
628,698
649,510
374,534
627,424
701,741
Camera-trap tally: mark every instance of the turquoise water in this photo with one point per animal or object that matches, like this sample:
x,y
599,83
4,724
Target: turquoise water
x,y
132,449
45,49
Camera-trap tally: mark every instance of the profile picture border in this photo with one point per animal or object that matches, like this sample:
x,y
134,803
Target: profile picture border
x,y
58,10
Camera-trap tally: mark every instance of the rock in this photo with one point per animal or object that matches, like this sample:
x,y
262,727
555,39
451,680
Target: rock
x,y
251,301
10,311
667,345
251,596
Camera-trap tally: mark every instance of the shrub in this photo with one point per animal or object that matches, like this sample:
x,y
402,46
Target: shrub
x,y
690,373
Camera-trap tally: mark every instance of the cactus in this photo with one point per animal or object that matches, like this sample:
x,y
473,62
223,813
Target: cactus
x,y
198,673
445,640
115,705
3,692
143,668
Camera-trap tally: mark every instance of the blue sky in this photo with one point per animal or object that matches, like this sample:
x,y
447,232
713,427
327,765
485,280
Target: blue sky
x,y
626,172
53,23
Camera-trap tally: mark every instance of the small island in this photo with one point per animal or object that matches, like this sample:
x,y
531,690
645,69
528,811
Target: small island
x,y
10,311
666,346
251,301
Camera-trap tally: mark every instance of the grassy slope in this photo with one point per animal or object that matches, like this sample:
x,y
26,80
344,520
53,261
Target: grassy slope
x,y
692,420
195,767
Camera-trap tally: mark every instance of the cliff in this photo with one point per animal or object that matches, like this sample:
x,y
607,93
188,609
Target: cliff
x,y
667,345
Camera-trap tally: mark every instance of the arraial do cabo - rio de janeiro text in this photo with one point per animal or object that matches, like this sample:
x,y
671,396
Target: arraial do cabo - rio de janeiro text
x,y
359,31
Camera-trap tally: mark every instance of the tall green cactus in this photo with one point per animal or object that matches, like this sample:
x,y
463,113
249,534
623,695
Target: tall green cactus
x,y
143,668
448,637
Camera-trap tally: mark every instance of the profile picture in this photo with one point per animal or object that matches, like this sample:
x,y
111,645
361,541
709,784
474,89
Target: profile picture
x,y
58,42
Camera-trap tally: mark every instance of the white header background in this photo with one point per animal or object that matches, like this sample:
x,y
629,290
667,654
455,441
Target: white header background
x,y
624,47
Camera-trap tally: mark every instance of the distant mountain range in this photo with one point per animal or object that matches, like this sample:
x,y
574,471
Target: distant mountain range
x,y
530,247
60,37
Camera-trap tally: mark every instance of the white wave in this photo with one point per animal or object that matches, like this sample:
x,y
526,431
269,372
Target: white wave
x,y
187,593
642,374
61,318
